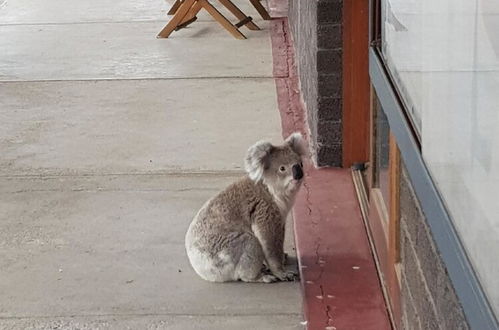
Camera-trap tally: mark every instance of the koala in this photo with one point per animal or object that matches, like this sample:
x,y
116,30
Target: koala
x,y
238,235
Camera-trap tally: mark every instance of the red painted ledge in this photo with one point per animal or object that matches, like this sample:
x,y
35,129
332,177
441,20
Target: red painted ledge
x,y
341,288
340,284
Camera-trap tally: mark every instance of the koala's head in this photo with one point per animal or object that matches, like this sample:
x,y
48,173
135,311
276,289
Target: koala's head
x,y
281,166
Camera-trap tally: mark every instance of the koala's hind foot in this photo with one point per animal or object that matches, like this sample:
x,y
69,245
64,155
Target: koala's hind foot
x,y
262,278
267,278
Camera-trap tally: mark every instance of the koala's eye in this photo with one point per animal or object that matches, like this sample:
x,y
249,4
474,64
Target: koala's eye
x,y
282,169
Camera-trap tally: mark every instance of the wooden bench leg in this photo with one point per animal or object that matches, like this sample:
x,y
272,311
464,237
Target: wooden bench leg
x,y
175,7
261,9
238,13
192,13
177,18
222,20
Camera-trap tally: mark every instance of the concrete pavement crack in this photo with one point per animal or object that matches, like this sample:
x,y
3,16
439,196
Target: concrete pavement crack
x,y
308,202
255,77
327,308
19,317
176,173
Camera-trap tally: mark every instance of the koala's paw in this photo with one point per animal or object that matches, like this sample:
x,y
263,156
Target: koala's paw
x,y
287,275
266,278
292,275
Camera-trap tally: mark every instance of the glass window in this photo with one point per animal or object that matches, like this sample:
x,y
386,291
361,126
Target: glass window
x,y
382,152
444,58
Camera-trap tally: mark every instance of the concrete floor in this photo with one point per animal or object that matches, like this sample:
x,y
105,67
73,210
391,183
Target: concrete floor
x,y
111,140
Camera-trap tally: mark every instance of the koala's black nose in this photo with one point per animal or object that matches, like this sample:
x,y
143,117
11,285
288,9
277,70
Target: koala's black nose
x,y
297,172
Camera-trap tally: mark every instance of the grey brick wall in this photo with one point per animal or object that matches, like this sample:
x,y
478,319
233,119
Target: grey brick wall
x,y
316,26
428,297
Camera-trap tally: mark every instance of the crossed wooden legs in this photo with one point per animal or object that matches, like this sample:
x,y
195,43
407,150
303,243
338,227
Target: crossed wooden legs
x,y
185,12
256,3
261,9
244,20
175,7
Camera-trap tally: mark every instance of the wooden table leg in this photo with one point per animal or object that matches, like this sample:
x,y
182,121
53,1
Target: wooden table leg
x,y
238,13
192,12
261,9
177,18
175,7
222,20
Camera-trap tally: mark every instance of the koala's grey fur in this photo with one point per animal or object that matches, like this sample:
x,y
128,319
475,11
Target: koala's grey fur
x,y
242,228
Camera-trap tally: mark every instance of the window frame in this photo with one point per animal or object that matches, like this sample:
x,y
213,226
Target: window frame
x,y
475,304
382,218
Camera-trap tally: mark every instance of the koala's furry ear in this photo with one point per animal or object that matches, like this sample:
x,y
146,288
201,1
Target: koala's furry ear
x,y
256,159
298,144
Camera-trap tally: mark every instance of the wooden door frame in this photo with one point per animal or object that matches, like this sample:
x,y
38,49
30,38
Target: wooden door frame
x,y
356,86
